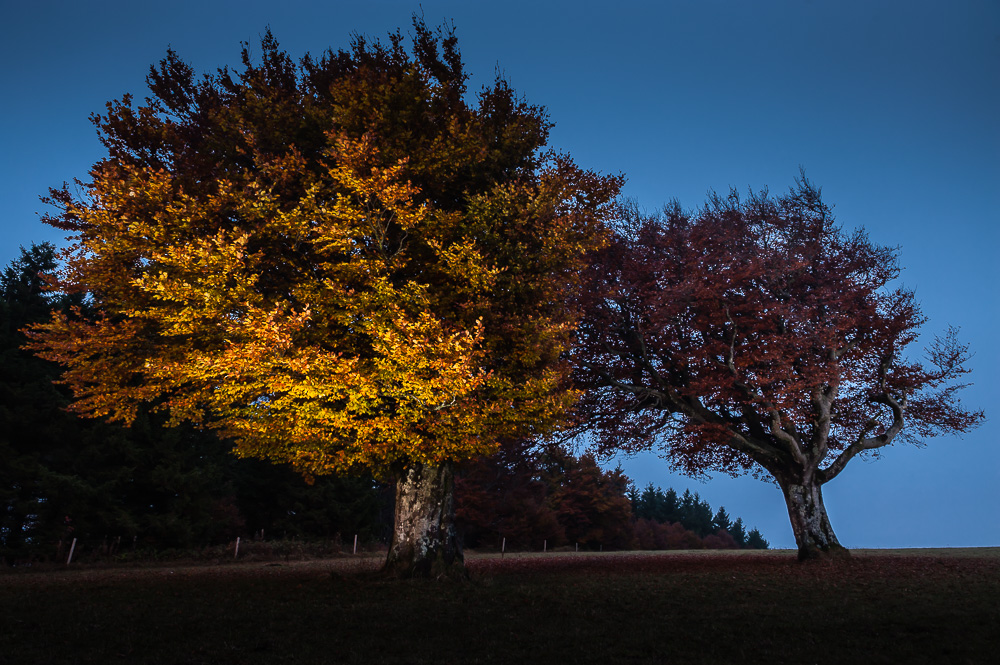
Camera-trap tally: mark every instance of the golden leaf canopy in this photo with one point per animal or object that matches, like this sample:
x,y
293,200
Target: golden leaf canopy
x,y
338,263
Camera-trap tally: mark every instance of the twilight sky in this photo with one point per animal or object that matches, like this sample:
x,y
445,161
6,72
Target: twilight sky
x,y
891,107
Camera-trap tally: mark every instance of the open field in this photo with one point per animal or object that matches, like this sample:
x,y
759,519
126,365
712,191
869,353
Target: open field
x,y
881,606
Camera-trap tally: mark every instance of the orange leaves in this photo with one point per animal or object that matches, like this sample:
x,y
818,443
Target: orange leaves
x,y
464,264
105,381
349,266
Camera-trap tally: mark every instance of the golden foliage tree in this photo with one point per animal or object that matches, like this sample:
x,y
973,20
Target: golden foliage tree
x,y
340,263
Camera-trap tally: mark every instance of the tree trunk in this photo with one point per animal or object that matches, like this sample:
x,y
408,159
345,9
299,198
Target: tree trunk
x,y
424,540
810,523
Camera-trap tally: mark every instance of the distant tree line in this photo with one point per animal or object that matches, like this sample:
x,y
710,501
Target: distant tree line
x,y
153,487
532,498
529,498
659,514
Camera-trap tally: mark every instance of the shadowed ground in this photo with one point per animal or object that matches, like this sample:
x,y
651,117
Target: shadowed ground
x,y
881,606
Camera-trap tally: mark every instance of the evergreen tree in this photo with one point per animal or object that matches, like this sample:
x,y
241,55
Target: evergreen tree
x,y
722,520
701,517
276,500
738,532
685,509
671,506
633,499
33,424
692,515
755,541
649,504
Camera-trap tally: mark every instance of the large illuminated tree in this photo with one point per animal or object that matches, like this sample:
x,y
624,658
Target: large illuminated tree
x,y
757,335
343,263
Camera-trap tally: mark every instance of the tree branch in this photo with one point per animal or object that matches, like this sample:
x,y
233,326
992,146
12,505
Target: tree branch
x,y
864,442
822,399
691,408
791,443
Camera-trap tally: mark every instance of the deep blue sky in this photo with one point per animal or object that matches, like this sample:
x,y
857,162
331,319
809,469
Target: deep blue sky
x,y
892,107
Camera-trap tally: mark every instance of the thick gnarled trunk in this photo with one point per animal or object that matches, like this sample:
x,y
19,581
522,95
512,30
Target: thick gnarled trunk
x,y
813,533
424,540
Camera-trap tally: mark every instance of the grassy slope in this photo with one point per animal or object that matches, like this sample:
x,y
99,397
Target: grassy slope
x,y
908,606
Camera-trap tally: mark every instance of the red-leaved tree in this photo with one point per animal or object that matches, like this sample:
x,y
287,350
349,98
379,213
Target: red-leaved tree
x,y
757,335
501,499
529,496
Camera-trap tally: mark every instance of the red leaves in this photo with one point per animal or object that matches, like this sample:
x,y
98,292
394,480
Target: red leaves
x,y
757,331
544,496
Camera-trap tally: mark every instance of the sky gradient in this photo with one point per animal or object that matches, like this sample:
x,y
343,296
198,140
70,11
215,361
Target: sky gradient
x,y
891,107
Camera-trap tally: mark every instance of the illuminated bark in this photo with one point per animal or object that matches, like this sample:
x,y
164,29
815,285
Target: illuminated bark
x,y
424,540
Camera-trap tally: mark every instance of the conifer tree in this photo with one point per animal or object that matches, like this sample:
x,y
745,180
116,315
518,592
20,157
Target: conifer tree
x,y
671,506
738,532
701,517
755,540
721,519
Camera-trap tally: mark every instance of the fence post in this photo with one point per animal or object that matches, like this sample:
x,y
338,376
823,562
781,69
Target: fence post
x,y
71,548
237,552
355,543
503,547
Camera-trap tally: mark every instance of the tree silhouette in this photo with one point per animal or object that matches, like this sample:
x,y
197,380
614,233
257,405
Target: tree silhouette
x,y
721,519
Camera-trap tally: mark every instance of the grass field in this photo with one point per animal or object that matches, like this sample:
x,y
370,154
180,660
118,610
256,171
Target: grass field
x,y
881,606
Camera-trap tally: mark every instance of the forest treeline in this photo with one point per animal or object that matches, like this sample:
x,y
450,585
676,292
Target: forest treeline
x,y
152,487
532,498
